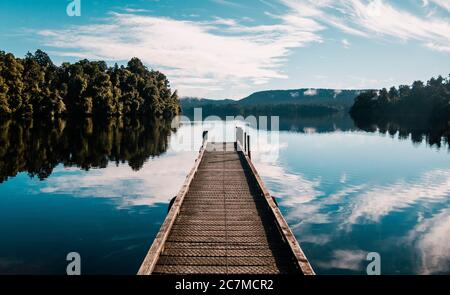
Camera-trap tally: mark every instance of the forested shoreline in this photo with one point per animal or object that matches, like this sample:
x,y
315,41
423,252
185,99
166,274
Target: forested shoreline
x,y
428,101
421,111
35,87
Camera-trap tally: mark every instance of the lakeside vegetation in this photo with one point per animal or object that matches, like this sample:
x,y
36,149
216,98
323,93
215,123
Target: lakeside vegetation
x,y
35,87
37,146
421,111
428,101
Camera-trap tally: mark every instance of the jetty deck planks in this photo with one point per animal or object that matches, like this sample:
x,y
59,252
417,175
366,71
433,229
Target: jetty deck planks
x,y
224,221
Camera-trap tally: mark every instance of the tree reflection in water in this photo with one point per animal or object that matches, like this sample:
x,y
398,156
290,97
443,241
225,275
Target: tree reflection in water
x,y
420,129
37,147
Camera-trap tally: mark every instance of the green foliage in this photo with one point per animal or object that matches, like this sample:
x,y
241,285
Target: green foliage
x,y
425,102
34,86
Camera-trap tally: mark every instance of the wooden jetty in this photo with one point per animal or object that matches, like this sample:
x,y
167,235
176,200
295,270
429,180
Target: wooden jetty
x,y
224,221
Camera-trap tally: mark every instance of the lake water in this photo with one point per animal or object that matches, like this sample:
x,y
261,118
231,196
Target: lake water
x,y
104,194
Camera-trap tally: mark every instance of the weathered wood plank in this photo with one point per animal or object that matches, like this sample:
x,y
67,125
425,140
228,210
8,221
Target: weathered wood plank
x,y
302,261
185,269
224,221
158,244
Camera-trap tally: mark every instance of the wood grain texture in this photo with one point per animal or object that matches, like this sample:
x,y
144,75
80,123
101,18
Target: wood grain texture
x,y
224,221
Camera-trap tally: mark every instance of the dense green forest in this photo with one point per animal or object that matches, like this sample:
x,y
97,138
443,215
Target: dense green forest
x,y
420,111
37,146
425,102
34,86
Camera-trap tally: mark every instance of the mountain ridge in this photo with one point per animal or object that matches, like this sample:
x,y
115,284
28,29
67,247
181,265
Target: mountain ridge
x,y
337,98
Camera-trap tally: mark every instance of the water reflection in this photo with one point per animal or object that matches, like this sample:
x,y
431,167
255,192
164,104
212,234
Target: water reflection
x,y
376,202
322,124
346,194
37,147
431,237
155,183
416,128
108,211
345,259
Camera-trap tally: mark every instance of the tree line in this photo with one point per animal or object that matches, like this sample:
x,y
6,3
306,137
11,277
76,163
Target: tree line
x,y
35,86
282,110
428,101
38,146
421,110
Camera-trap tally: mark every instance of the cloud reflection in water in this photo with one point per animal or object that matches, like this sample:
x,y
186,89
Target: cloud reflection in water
x,y
322,214
157,182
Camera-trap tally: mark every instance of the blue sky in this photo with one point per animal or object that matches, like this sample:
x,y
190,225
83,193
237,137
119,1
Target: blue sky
x,y
230,48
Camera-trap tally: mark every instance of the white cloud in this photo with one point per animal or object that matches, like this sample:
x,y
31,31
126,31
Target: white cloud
x,y
227,3
310,92
357,203
221,50
337,92
318,239
378,202
299,191
156,182
377,18
227,54
437,47
136,10
224,21
293,190
346,259
345,43
268,3
431,237
442,3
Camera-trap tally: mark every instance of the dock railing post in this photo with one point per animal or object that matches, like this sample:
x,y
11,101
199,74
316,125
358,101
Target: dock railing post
x,y
248,147
245,142
235,138
205,137
239,139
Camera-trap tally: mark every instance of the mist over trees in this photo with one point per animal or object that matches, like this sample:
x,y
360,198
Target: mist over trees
x,y
34,86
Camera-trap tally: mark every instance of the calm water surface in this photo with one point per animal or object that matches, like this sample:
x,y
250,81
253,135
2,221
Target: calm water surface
x,y
344,194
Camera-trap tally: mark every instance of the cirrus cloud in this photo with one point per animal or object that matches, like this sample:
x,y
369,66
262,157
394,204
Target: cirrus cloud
x,y
229,56
220,53
378,18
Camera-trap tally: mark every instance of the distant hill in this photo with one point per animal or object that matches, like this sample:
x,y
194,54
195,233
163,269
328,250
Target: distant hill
x,y
326,97
288,103
339,99
194,102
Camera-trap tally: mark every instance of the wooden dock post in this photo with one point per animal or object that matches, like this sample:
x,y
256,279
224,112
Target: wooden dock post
x,y
249,153
245,142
